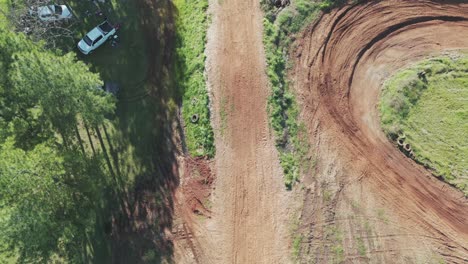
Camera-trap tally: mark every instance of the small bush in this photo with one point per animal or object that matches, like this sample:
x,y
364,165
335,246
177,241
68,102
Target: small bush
x,y
279,30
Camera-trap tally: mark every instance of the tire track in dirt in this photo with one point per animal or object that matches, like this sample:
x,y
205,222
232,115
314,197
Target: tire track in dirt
x,y
249,221
340,67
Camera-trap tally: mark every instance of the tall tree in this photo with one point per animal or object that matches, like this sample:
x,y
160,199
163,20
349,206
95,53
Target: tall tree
x,y
48,194
41,85
50,200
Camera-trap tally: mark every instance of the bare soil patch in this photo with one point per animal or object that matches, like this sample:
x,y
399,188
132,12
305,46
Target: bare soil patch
x,y
193,207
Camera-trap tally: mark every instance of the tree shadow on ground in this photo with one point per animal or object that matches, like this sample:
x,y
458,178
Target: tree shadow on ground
x,y
139,231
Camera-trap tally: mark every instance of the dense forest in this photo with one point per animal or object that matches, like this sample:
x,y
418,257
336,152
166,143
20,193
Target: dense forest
x,y
48,184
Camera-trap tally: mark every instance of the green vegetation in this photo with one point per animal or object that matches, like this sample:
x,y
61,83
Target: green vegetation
x,y
47,184
335,237
3,7
126,65
362,250
297,236
382,216
127,157
192,25
327,195
426,106
368,227
338,254
279,33
297,245
223,114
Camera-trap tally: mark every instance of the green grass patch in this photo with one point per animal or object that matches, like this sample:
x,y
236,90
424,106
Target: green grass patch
x,y
4,6
223,115
297,236
279,33
192,24
127,63
296,245
7,255
362,250
430,112
338,254
367,227
382,216
335,236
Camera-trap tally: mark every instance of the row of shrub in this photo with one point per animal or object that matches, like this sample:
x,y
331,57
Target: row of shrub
x,y
280,29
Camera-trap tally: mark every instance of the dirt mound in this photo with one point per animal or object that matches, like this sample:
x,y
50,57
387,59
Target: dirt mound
x,y
192,206
197,189
386,208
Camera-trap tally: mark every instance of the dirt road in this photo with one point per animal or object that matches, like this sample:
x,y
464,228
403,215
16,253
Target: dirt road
x,y
249,223
367,201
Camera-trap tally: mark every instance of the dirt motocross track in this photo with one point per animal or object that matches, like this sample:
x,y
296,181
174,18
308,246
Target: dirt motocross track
x,y
364,201
248,218
367,202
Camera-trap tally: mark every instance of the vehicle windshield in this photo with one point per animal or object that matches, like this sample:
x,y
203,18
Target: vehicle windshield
x,y
58,9
105,27
87,40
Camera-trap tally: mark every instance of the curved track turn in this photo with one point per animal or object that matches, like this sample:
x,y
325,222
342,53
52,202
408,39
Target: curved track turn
x,y
341,62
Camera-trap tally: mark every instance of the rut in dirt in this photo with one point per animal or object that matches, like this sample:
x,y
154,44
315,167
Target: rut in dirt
x,y
341,63
249,220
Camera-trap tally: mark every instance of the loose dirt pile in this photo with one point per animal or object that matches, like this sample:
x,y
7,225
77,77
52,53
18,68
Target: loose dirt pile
x,y
367,202
193,206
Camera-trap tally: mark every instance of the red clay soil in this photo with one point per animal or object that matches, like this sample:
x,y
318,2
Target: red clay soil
x,y
192,205
197,185
367,202
249,218
246,220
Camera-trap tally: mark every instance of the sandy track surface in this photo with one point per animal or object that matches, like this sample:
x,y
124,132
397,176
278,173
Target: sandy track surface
x,y
362,185
249,212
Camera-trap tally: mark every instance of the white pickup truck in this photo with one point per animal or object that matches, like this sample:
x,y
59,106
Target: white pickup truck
x,y
51,12
96,37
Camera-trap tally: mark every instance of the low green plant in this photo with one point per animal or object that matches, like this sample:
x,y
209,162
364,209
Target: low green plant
x,y
297,245
279,31
382,216
361,247
335,236
192,24
338,253
223,115
425,105
367,227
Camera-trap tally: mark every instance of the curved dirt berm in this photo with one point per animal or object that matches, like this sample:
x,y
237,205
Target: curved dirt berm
x,y
367,202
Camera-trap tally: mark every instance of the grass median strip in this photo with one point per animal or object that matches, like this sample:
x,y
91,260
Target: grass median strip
x,y
192,23
280,27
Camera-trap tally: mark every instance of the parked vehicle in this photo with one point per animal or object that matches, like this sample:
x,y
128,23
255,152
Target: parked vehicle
x,y
52,12
96,37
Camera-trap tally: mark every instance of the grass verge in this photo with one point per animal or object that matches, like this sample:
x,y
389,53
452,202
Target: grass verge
x,y
280,29
192,24
426,106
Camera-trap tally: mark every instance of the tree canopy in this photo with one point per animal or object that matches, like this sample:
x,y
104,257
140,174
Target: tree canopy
x,y
41,85
48,188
